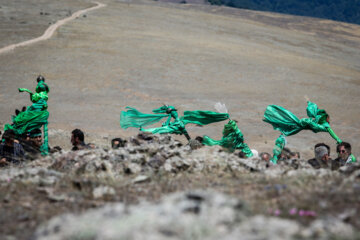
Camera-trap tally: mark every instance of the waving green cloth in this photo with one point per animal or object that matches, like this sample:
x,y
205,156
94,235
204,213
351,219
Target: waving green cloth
x,y
288,124
232,139
27,121
203,117
279,146
134,118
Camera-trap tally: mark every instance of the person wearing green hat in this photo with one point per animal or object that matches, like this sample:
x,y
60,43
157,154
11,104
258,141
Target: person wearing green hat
x,y
288,124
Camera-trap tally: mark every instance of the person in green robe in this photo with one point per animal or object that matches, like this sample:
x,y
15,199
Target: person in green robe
x,y
36,115
288,124
134,118
232,139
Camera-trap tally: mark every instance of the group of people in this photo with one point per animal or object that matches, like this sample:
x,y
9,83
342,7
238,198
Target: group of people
x,y
25,139
14,149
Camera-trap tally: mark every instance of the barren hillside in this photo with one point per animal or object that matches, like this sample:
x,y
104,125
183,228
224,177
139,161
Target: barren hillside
x,y
146,53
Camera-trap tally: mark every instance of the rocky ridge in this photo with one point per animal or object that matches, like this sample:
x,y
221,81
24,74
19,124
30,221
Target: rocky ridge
x,y
133,184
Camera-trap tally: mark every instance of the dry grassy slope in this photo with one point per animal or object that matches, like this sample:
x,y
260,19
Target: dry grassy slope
x,y
143,54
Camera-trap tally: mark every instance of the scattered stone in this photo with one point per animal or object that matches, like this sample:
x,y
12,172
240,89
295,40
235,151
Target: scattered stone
x,y
141,179
102,191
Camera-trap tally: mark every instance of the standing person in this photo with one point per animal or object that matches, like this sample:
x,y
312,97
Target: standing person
x,y
77,140
288,124
10,151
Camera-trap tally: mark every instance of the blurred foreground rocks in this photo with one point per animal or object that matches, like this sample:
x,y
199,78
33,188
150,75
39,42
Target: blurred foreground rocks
x,y
111,180
186,215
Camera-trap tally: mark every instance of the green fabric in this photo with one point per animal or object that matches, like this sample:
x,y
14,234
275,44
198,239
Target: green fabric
x,y
280,143
32,135
333,135
45,146
36,97
288,124
232,139
134,118
353,158
42,87
25,90
39,96
27,121
35,116
203,117
174,128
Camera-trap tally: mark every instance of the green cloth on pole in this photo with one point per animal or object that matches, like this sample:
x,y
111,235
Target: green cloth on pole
x,y
353,158
203,117
42,87
134,118
45,146
288,124
35,115
27,121
232,139
279,146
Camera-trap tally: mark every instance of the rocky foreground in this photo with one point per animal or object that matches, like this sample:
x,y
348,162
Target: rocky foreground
x,y
158,188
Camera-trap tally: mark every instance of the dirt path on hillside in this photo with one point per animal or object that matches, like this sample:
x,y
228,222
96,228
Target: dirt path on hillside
x,y
51,30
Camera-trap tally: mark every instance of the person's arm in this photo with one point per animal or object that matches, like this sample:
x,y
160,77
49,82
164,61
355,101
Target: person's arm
x,y
333,135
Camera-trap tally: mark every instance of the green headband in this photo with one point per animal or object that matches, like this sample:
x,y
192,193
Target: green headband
x,y
35,135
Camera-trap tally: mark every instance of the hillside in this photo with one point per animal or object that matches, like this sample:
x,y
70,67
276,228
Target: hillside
x,y
345,11
144,54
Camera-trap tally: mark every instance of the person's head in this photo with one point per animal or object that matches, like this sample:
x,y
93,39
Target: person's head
x,y
343,150
285,154
117,143
295,155
77,137
324,145
9,137
36,137
199,139
321,153
265,156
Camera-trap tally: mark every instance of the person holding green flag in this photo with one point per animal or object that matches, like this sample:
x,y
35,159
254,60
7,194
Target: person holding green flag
x,y
232,136
35,116
134,118
232,139
288,124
